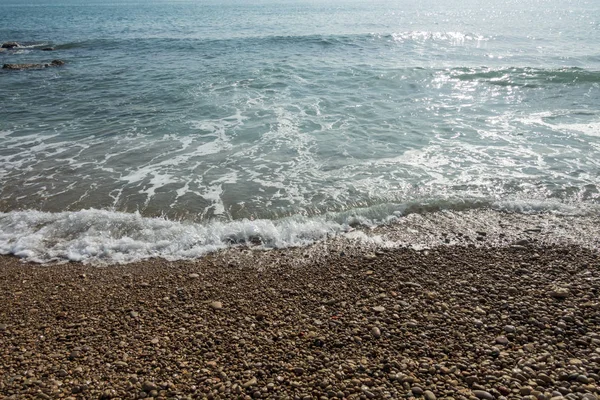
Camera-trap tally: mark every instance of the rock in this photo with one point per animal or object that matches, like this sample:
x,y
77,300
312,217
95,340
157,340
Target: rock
x,y
249,383
503,340
559,293
3,327
298,371
154,341
47,49
482,394
428,394
510,329
216,305
525,390
417,391
134,314
148,386
379,309
522,242
513,290
10,45
17,67
194,276
376,332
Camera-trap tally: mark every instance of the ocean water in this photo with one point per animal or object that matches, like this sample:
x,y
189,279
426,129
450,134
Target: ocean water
x,y
181,127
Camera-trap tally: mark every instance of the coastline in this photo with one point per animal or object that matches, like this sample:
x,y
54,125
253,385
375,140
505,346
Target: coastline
x,y
330,320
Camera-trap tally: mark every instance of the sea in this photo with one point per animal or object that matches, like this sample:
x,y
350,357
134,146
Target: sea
x,y
177,128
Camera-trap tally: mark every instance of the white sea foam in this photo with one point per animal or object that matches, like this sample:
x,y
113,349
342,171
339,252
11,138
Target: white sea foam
x,y
104,237
96,236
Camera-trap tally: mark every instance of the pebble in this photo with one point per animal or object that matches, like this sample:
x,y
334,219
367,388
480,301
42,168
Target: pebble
x,y
134,314
428,395
560,293
503,340
194,276
216,305
376,332
482,394
417,391
148,386
249,383
379,309
510,329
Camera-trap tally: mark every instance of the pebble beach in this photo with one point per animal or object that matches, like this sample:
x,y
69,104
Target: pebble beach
x,y
460,321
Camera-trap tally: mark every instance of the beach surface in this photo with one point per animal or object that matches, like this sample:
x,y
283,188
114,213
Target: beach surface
x,y
331,320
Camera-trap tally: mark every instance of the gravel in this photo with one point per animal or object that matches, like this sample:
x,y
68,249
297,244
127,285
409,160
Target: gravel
x,y
449,321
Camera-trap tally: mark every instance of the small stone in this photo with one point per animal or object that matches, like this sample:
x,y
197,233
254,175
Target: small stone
x,y
503,340
154,341
216,305
529,347
76,389
525,390
249,383
298,370
513,290
510,329
3,327
575,361
504,391
148,386
376,332
482,394
379,309
194,276
428,394
134,314
559,293
417,391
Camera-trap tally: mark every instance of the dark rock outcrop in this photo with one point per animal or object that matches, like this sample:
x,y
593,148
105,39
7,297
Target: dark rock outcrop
x,y
10,45
47,49
53,63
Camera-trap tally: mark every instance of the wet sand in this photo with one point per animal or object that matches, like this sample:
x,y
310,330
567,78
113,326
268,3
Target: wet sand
x,y
315,322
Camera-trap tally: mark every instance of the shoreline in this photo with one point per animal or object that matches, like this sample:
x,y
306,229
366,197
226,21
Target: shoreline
x,y
324,321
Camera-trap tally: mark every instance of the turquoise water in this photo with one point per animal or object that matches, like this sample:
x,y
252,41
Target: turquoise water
x,y
289,119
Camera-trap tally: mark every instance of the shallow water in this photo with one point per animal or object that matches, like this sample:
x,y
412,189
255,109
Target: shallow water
x,y
229,119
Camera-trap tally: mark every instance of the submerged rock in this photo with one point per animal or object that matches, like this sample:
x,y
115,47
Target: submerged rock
x,y
53,63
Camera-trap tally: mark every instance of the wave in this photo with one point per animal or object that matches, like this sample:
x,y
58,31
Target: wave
x,y
526,77
328,41
108,237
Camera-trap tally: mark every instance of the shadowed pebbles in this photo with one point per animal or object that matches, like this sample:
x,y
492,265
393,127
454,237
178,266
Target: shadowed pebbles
x,y
460,322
